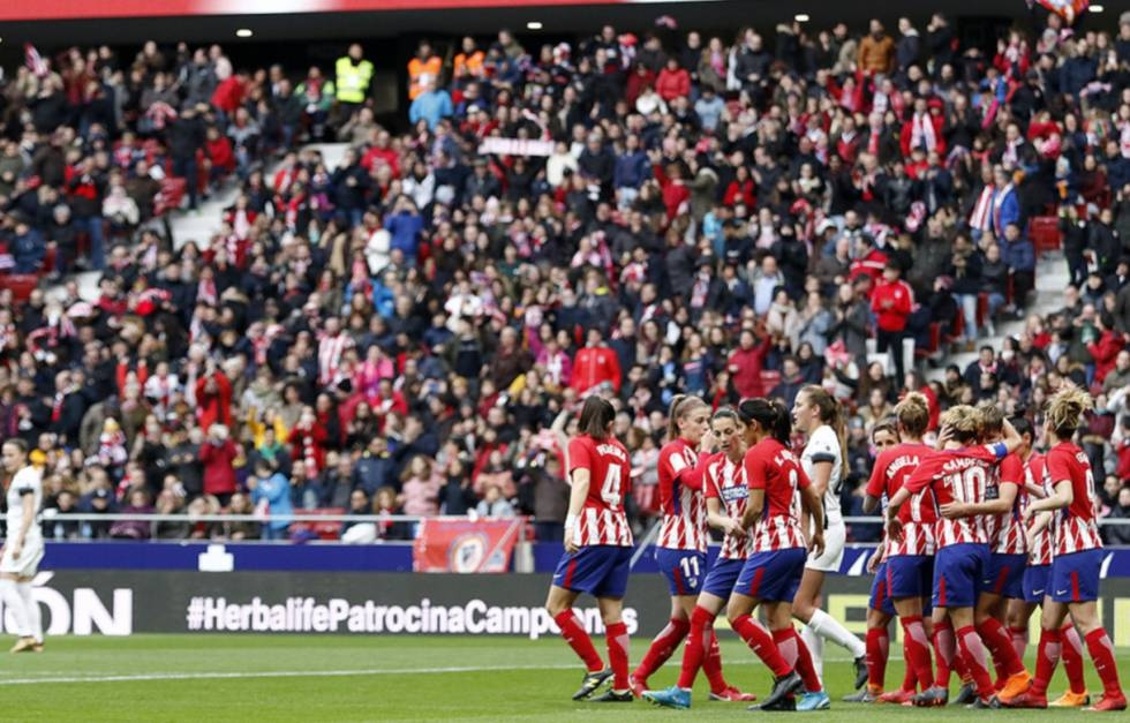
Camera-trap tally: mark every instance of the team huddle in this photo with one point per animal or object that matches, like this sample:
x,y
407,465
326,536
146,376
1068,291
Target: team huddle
x,y
980,531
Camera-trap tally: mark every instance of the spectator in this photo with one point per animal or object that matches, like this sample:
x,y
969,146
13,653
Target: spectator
x,y
354,77
494,505
876,51
218,456
270,494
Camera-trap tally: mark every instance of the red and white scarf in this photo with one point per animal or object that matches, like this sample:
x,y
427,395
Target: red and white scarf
x,y
980,217
922,133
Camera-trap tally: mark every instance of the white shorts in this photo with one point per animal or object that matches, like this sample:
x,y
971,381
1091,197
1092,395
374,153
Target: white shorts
x,y
30,557
834,538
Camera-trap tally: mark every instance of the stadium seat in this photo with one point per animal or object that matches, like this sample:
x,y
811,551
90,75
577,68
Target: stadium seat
x,y
1045,234
21,285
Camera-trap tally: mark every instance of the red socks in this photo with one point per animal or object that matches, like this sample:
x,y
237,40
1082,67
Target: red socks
x,y
617,637
944,653
662,648
579,640
999,642
1072,653
917,649
972,653
762,644
795,652
712,664
1019,641
1047,657
878,649
1102,653
698,644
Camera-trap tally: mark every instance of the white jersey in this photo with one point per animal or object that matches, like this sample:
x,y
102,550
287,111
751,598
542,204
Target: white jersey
x,y
824,446
28,480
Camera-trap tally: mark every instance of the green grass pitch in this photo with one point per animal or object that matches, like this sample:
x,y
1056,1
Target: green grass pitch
x,y
369,678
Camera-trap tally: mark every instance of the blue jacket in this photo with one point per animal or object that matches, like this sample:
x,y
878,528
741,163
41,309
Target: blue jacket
x,y
1009,210
28,251
276,490
405,229
631,170
1020,255
432,106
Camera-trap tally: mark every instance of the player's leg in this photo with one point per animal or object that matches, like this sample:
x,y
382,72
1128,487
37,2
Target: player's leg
x,y
961,569
15,605
1086,617
34,614
880,611
1071,650
701,642
683,571
1002,578
820,626
1018,614
1047,655
609,594
576,573
716,589
907,582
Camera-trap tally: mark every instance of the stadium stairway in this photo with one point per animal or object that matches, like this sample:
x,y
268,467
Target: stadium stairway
x,y
199,227
1051,279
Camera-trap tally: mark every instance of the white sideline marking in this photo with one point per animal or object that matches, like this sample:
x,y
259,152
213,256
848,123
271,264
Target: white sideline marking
x,y
53,678
271,674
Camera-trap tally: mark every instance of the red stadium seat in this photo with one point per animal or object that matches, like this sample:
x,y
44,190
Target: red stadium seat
x,y
21,285
170,196
769,379
1045,234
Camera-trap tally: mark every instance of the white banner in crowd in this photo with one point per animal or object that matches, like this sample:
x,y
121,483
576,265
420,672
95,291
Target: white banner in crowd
x,y
515,147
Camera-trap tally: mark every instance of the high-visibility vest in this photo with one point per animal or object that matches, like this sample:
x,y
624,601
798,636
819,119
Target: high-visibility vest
x,y
353,80
421,71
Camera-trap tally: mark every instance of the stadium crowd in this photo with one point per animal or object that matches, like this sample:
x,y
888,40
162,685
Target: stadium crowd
x,y
630,215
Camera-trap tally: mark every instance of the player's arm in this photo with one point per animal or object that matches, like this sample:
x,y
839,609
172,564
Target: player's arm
x,y
873,493
813,503
1003,503
578,492
717,518
1038,524
27,501
753,507
1062,496
1009,444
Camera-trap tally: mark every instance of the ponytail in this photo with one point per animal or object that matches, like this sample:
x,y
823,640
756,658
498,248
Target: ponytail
x,y
770,416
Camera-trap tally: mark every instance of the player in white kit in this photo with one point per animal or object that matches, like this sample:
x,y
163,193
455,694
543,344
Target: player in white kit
x,y
23,548
819,415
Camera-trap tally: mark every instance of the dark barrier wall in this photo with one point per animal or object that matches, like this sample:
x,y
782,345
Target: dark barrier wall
x,y
117,602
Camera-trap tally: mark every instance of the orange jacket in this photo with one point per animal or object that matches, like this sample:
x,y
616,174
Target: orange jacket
x,y
876,56
420,71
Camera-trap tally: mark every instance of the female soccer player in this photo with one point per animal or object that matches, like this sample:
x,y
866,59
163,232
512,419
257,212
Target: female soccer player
x,y
959,471
778,490
726,493
1074,582
598,550
819,415
681,549
1039,547
880,607
909,561
23,550
1003,577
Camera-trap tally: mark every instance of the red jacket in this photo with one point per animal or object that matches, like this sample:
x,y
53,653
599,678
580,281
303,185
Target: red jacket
x,y
229,95
745,368
673,84
870,265
219,467
219,151
215,406
1104,352
593,366
907,135
892,302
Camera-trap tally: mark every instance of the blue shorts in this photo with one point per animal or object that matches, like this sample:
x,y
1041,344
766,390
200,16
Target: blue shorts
x,y
880,598
772,576
722,577
1005,575
599,570
1075,577
1036,583
684,569
958,572
909,576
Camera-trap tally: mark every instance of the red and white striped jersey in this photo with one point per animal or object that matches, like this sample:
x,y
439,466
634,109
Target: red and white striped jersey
x,y
773,469
726,482
959,475
602,520
918,516
1041,552
1007,529
680,498
1076,526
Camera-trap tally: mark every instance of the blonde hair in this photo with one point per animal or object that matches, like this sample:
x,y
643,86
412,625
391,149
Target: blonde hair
x,y
1066,410
681,406
913,413
991,418
964,421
